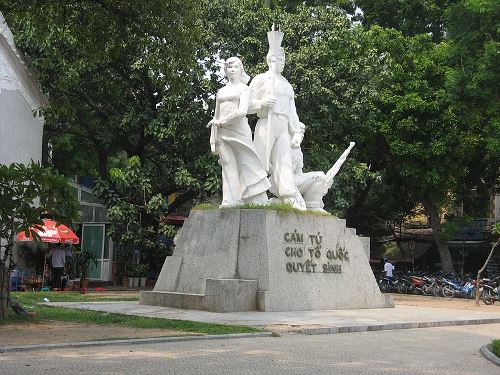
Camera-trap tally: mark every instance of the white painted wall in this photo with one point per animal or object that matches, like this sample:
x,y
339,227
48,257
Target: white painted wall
x,y
20,132
496,208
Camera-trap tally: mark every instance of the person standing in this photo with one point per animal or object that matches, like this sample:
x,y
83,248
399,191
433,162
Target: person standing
x,y
389,269
58,260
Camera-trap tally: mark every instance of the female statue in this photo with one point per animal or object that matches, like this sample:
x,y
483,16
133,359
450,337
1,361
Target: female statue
x,y
244,179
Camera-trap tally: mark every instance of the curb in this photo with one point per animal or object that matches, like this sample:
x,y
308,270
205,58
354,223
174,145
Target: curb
x,y
394,326
152,340
490,356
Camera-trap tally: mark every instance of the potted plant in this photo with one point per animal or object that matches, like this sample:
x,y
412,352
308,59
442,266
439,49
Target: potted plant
x,y
142,272
135,277
83,260
129,274
132,273
125,280
123,259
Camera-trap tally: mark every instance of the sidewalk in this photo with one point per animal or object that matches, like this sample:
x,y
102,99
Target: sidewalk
x,y
403,316
410,312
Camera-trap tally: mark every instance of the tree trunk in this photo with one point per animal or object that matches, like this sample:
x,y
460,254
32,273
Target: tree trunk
x,y
5,260
45,149
480,272
352,213
103,163
444,252
4,291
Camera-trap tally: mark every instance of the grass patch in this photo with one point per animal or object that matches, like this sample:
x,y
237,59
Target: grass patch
x,y
205,206
31,302
495,346
285,208
99,317
32,298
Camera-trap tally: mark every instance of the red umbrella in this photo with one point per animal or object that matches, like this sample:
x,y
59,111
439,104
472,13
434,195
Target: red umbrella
x,y
52,233
175,219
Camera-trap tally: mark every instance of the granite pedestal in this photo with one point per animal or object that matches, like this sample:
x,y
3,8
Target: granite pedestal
x,y
255,259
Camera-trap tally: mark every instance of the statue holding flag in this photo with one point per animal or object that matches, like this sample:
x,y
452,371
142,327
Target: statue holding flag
x,y
275,149
273,101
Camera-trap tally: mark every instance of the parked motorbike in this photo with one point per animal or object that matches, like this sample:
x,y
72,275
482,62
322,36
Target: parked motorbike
x,y
388,285
441,286
453,288
491,290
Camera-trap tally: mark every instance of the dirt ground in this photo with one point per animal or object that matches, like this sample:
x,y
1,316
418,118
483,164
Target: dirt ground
x,y
61,332
443,303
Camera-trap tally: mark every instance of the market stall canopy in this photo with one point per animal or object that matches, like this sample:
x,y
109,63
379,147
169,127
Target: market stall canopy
x,y
51,232
175,219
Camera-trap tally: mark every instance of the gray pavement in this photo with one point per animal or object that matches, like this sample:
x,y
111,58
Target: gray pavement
x,y
439,351
308,322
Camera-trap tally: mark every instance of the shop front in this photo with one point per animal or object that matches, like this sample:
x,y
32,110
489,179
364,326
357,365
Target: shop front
x,y
93,233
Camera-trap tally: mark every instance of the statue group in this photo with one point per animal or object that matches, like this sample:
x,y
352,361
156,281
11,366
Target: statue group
x,y
259,259
273,159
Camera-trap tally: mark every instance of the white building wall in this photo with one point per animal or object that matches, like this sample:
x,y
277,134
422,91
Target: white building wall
x,y
20,132
496,208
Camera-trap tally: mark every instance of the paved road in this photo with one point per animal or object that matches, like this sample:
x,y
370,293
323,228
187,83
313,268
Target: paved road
x,y
443,351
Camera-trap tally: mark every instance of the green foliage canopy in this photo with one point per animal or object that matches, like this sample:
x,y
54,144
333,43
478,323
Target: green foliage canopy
x,y
109,67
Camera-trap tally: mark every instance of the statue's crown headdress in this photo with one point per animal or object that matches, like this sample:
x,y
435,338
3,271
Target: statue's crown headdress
x,y
275,37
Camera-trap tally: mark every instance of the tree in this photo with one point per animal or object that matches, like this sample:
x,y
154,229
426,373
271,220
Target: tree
x,y
474,81
426,143
468,95
333,68
129,95
109,66
122,79
26,192
136,213
495,231
143,94
469,81
411,17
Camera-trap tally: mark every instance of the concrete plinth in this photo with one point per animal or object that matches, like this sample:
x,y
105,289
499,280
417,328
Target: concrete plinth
x,y
230,295
241,260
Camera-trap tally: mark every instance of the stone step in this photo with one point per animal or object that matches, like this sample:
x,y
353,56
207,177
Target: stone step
x,y
172,299
221,295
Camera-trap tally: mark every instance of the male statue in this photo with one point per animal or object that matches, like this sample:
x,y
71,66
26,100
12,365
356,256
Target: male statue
x,y
273,101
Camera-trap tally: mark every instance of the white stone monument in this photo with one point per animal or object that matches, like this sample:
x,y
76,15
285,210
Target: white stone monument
x,y
240,260
232,259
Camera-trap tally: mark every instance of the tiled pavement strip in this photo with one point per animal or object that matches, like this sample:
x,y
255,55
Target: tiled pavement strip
x,y
306,322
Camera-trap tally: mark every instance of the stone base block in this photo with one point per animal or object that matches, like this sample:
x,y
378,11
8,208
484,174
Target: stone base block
x,y
222,295
388,301
172,299
257,259
229,295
